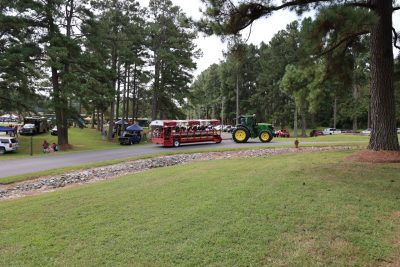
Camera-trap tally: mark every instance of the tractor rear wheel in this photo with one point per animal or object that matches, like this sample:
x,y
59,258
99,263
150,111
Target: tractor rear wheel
x,y
240,135
265,136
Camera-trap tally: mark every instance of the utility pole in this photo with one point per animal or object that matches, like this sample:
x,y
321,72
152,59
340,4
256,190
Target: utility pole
x,y
222,110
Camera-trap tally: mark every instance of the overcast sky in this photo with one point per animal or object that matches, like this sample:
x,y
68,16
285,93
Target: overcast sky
x,y
262,30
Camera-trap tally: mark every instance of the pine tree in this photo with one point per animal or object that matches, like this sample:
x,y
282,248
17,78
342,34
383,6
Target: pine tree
x,y
172,37
222,17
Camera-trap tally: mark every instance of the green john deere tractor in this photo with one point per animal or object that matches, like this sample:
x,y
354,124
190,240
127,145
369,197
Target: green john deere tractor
x,y
249,128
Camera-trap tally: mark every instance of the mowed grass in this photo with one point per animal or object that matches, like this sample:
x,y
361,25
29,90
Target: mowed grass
x,y
311,209
82,140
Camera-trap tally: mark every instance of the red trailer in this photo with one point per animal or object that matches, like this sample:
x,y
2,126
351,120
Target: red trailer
x,y
177,132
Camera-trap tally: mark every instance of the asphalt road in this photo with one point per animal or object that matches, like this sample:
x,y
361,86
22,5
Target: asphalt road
x,y
53,161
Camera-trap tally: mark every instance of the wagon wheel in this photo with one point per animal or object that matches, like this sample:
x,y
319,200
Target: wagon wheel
x,y
177,143
240,135
265,136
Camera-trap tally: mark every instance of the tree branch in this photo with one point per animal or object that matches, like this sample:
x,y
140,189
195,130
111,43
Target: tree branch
x,y
360,4
396,37
246,14
348,38
18,103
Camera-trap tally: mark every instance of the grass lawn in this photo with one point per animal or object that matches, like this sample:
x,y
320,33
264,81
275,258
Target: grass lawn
x,y
290,210
83,140
342,138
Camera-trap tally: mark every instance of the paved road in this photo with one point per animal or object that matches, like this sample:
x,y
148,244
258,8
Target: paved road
x,y
54,161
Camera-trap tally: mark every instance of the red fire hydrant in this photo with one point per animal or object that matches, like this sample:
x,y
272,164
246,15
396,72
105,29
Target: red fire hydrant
x,y
296,143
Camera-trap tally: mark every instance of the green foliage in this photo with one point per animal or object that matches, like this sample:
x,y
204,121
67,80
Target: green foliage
x,y
331,57
172,36
18,59
84,52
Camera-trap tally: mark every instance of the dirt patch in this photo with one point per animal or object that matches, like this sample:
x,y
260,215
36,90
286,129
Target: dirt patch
x,y
370,156
66,147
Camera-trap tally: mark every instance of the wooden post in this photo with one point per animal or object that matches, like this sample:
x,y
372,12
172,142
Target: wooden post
x,y
31,147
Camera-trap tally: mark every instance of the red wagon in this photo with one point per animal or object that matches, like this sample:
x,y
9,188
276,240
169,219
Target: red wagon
x,y
177,132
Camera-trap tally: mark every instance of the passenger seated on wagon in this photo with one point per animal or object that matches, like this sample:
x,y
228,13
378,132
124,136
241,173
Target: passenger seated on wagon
x,y
156,132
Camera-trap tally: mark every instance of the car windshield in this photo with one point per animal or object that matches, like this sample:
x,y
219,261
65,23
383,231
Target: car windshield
x,y
28,125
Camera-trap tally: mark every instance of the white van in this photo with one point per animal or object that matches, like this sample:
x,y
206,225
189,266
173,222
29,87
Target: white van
x,y
330,131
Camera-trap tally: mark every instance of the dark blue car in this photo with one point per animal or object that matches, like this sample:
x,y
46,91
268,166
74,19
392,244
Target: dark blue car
x,y
131,135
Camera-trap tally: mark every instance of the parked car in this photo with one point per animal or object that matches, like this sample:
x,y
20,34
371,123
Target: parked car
x,y
218,127
8,144
28,128
330,131
54,130
131,135
282,133
227,128
366,131
398,130
231,129
315,133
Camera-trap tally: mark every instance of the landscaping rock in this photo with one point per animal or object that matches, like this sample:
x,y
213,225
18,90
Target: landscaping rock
x,y
51,183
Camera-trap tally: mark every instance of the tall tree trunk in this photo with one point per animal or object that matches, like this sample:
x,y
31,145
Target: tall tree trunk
x,y
102,122
114,84
93,117
222,109
128,88
295,121
383,110
334,112
356,95
154,109
118,92
60,101
303,120
124,100
97,119
62,129
134,95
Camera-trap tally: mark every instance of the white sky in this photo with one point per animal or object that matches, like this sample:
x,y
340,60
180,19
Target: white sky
x,y
262,30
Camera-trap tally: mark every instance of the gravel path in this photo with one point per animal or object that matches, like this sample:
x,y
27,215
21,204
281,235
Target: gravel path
x,y
51,183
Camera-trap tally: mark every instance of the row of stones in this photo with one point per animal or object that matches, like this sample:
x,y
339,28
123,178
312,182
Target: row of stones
x,y
116,170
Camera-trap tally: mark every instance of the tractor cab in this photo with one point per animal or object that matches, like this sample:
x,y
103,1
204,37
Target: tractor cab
x,y
248,121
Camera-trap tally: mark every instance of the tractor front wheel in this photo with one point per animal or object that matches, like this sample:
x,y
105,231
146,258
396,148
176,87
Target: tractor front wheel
x,y
265,136
240,135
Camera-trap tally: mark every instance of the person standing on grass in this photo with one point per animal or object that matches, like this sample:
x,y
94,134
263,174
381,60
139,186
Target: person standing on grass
x,y
16,130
